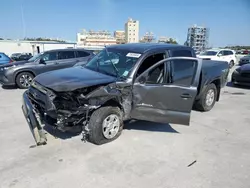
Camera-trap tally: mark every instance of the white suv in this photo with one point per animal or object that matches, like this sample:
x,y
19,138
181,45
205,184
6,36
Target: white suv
x,y
219,55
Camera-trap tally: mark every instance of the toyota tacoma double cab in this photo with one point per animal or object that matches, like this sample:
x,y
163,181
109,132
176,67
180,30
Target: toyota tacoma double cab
x,y
152,82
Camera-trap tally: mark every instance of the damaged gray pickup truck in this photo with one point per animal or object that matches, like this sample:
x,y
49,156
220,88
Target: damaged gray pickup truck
x,y
153,82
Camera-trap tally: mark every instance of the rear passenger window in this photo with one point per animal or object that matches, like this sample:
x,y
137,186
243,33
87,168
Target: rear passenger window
x,y
66,54
183,72
182,53
150,61
82,54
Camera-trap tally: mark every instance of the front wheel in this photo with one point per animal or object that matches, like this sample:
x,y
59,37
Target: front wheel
x,y
105,125
24,79
208,99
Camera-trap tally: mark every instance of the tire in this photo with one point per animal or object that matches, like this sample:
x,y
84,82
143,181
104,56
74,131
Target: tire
x,y
24,79
96,128
202,104
231,64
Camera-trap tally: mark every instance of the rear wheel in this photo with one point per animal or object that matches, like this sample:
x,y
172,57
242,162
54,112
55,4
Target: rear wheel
x,y
105,125
208,99
24,79
231,64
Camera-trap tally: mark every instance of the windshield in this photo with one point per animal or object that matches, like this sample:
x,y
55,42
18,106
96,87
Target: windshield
x,y
209,53
113,62
35,57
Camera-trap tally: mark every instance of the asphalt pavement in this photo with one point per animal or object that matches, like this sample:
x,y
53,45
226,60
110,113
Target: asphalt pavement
x,y
214,151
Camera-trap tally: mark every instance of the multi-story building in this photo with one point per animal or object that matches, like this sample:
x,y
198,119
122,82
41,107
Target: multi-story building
x,y
197,37
95,38
120,37
148,37
132,31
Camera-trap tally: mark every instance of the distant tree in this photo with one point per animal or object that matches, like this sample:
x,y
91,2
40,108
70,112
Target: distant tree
x,y
1,39
171,41
43,39
238,47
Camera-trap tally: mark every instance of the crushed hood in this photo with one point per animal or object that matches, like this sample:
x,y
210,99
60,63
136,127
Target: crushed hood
x,y
72,78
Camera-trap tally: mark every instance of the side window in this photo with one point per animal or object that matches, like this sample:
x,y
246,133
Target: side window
x,y
183,72
221,53
156,75
50,56
66,54
82,54
228,52
182,53
150,61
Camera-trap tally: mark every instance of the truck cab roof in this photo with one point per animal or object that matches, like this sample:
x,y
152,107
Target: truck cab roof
x,y
146,47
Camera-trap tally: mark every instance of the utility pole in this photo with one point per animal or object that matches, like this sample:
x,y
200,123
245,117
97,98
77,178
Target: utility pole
x,y
23,21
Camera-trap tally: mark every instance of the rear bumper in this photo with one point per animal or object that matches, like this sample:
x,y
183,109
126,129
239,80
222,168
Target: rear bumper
x,y
33,120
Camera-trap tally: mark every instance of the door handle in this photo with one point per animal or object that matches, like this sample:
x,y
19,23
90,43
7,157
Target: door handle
x,y
186,96
56,63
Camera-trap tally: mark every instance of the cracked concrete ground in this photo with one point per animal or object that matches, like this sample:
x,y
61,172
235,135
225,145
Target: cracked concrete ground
x,y
146,154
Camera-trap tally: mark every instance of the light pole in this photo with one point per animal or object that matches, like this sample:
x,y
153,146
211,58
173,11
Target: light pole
x,y
23,21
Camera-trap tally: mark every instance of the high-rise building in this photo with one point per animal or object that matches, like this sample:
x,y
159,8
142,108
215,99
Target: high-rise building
x,y
132,31
198,37
120,37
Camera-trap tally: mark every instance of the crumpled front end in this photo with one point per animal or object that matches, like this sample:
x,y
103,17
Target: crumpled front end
x,y
64,111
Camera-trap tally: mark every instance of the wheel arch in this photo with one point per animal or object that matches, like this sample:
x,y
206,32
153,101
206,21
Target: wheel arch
x,y
21,71
217,83
114,102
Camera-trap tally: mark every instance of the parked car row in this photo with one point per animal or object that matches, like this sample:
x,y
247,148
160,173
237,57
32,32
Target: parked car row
x,y
21,56
5,59
219,54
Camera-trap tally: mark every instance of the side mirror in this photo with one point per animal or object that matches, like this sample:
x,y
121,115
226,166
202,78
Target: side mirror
x,y
219,55
41,61
142,80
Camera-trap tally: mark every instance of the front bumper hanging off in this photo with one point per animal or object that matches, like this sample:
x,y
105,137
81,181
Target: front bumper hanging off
x,y
33,120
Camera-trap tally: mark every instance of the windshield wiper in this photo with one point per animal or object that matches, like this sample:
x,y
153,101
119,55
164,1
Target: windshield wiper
x,y
116,70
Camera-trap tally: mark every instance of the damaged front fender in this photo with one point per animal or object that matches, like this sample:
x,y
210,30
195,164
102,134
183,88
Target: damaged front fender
x,y
114,94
